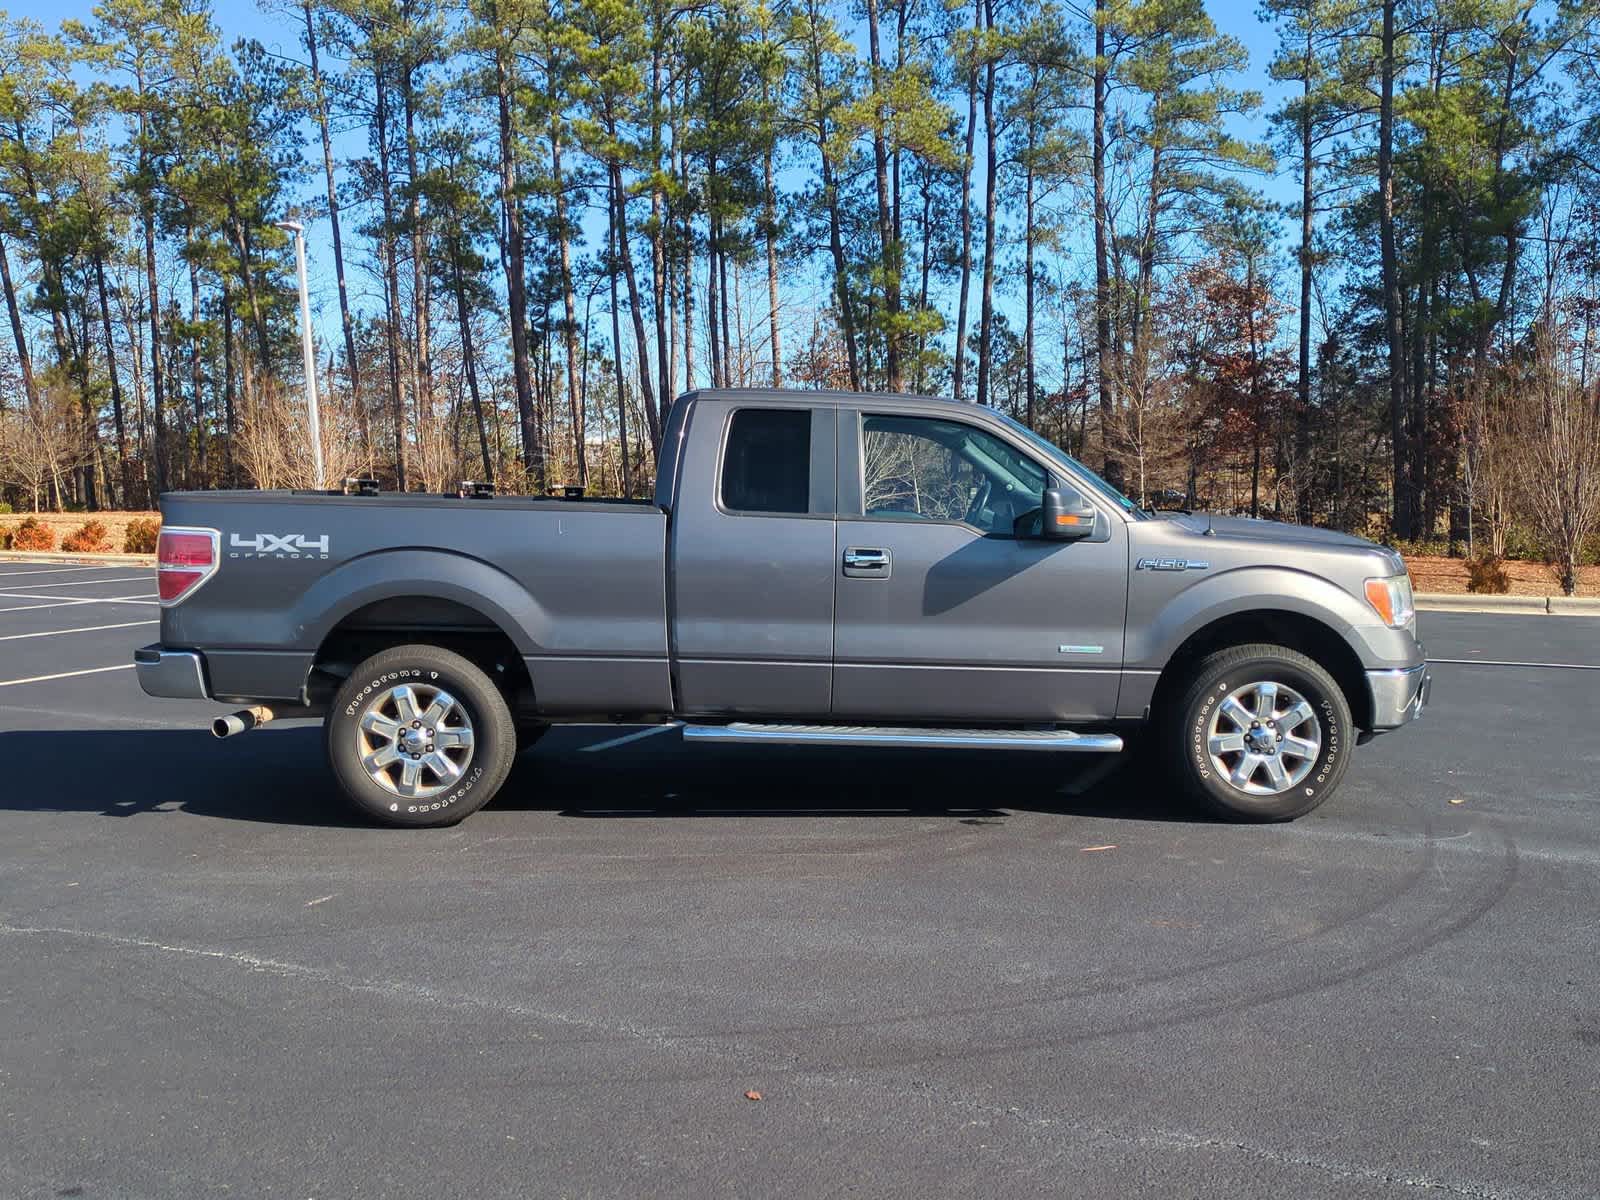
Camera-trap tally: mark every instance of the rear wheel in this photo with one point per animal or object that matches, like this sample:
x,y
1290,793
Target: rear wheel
x,y
1262,733
419,736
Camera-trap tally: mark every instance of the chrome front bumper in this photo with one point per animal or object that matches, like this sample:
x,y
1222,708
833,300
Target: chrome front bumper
x,y
1398,696
171,674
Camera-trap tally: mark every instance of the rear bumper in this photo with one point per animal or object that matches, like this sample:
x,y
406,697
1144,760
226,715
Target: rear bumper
x,y
171,674
1398,696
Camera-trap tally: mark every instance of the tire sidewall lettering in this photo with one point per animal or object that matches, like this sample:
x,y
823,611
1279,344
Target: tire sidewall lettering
x,y
387,678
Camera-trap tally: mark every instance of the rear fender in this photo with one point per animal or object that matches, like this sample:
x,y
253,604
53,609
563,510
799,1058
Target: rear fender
x,y
388,574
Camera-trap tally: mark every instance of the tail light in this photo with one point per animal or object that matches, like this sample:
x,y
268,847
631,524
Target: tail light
x,y
185,558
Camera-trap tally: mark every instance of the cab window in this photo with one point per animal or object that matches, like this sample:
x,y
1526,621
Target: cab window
x,y
923,468
766,464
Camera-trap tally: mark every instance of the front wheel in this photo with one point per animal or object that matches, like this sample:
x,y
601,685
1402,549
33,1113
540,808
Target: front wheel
x,y
419,736
1262,733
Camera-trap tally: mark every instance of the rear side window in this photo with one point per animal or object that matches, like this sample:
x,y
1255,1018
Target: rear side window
x,y
766,466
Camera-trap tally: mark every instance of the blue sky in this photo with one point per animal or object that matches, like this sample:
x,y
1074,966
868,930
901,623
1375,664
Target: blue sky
x,y
280,32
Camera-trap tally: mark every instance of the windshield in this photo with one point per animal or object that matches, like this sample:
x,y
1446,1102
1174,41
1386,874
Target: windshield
x,y
1060,456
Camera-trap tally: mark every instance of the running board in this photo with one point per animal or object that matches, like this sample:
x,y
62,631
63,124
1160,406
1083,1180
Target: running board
x,y
907,737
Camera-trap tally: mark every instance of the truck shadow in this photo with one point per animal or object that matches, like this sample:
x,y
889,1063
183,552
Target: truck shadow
x,y
277,775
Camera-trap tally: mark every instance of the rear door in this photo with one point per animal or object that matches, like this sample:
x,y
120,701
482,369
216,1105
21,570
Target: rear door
x,y
944,611
752,559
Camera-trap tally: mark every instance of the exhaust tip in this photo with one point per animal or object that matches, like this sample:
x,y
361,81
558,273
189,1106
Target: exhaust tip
x,y
238,722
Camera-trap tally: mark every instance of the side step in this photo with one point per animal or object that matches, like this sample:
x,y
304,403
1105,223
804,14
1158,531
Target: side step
x,y
907,737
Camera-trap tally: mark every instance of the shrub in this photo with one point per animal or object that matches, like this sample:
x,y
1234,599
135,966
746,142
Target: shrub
x,y
141,534
88,538
1487,575
33,534
5,538
5,506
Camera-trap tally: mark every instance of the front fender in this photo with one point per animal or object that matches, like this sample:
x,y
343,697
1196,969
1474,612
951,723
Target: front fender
x,y
1154,636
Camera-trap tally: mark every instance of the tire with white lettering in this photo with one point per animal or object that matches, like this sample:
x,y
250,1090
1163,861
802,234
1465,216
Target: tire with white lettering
x,y
1261,733
419,736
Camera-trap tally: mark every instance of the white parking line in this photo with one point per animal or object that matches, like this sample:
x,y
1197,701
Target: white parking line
x,y
1500,662
635,736
14,637
81,582
60,603
65,675
63,570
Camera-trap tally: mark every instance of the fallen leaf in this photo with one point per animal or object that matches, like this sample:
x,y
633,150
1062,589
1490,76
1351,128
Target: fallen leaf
x,y
752,1095
1092,849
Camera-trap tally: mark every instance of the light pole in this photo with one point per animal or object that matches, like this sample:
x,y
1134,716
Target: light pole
x,y
299,232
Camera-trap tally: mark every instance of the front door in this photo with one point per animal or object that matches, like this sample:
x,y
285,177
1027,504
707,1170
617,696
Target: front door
x,y
948,605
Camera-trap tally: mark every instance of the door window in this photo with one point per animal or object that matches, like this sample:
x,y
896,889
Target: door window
x,y
766,465
922,468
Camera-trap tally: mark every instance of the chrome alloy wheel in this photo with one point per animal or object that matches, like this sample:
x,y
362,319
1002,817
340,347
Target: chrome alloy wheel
x,y
1265,738
415,740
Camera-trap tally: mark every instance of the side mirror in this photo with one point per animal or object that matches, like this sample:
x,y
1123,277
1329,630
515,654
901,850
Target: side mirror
x,y
1065,515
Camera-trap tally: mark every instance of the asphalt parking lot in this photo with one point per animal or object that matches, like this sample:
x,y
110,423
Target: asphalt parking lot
x,y
969,975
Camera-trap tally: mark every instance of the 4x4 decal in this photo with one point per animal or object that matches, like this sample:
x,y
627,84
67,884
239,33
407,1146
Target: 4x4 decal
x,y
277,545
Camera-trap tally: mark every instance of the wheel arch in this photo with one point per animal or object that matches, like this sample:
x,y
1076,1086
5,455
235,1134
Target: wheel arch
x,y
1315,639
442,599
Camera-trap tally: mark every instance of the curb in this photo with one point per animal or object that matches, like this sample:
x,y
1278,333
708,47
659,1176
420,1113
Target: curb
x,y
64,556
1556,606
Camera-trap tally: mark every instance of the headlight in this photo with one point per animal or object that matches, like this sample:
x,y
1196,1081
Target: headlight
x,y
1391,599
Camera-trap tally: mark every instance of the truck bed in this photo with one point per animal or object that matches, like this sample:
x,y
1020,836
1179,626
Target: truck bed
x,y
578,586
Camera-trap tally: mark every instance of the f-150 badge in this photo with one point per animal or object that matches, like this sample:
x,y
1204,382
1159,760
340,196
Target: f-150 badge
x,y
1170,564
277,545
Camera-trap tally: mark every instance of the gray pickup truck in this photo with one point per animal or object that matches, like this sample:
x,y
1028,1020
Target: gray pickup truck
x,y
816,568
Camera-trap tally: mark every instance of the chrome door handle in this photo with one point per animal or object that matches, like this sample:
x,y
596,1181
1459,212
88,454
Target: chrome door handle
x,y
861,561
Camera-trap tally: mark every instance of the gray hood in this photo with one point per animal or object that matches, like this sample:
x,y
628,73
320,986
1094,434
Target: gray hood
x,y
1262,530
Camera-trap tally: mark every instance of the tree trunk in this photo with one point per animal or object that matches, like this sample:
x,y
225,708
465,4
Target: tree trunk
x,y
1402,482
422,363
959,382
713,340
130,322
770,221
659,269
888,247
352,363
1256,414
196,373
1028,287
516,281
620,205
1302,436
1102,249
991,197
569,300
24,361
918,382
118,422
229,416
391,274
469,364
616,357
79,348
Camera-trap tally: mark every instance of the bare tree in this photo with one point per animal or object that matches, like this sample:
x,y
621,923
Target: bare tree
x,y
1558,468
272,441
39,448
